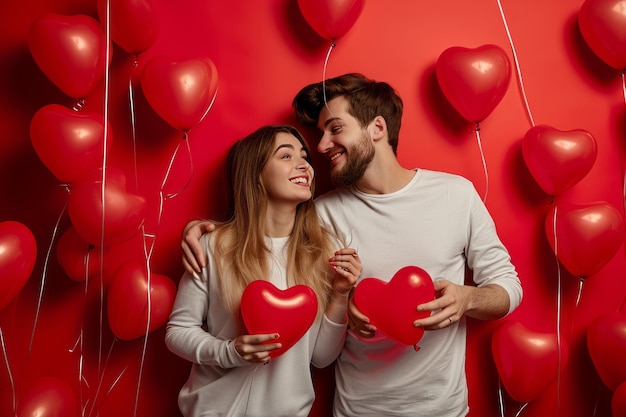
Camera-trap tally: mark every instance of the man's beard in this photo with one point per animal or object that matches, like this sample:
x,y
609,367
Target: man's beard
x,y
358,159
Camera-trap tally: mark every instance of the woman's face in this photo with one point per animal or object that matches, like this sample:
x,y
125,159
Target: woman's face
x,y
287,175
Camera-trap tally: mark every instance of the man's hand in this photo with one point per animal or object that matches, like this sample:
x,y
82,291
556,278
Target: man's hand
x,y
194,258
358,322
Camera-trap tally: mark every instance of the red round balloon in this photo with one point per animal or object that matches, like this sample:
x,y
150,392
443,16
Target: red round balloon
x,y
180,91
70,50
603,26
558,159
80,260
127,301
134,24
331,19
473,80
391,306
266,309
18,252
69,143
527,362
123,212
606,340
618,402
587,236
47,397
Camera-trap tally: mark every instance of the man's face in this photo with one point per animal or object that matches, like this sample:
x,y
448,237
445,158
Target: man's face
x,y
344,143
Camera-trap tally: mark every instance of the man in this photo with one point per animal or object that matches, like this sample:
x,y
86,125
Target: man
x,y
396,217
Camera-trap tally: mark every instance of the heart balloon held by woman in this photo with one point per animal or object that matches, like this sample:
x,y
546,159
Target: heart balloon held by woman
x,y
391,306
266,309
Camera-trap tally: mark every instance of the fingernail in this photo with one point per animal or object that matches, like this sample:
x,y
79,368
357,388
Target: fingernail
x,y
196,275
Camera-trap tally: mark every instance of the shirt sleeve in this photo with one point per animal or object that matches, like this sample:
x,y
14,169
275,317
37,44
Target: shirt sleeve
x,y
487,256
185,333
329,342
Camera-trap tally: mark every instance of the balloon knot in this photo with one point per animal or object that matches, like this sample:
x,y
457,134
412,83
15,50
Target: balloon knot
x,y
185,136
478,127
79,105
416,347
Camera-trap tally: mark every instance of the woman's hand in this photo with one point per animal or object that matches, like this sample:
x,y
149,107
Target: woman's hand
x,y
252,347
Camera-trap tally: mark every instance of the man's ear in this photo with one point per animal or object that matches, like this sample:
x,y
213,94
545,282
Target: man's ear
x,y
378,128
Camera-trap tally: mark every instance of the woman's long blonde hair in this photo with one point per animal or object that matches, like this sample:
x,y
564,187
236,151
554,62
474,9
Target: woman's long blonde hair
x,y
240,248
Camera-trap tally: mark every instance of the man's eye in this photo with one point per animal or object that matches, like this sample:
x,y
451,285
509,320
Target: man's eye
x,y
335,129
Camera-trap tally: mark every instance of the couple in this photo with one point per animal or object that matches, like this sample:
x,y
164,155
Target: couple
x,y
393,217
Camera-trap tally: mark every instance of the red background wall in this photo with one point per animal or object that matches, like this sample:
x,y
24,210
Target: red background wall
x,y
264,52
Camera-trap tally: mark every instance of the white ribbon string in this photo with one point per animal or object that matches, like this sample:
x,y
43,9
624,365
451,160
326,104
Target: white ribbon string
x,y
558,307
517,66
6,362
482,157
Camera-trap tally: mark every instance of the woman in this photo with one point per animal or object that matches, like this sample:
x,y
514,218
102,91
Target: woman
x,y
274,234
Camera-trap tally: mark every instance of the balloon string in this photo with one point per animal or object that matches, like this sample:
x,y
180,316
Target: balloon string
x,y
558,307
500,399
101,377
208,108
519,412
517,66
43,278
624,169
169,168
131,105
330,49
482,157
580,290
6,362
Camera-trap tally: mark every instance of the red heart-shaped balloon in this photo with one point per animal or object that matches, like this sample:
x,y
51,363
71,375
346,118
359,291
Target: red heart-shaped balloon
x,y
266,309
134,24
556,159
123,212
80,260
68,142
331,19
127,301
587,236
180,91
70,51
618,401
18,252
606,340
603,26
47,397
391,306
527,362
473,80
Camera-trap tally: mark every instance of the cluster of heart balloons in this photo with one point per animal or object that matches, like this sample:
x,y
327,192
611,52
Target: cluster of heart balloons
x,y
72,143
